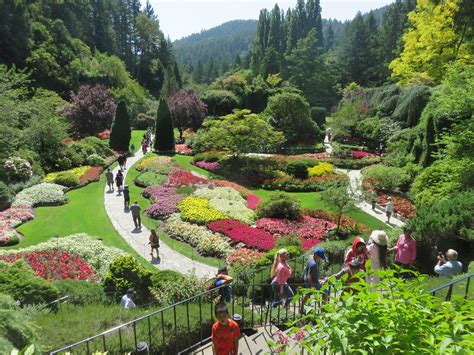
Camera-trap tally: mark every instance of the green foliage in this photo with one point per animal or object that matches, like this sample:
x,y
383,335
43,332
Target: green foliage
x,y
341,200
124,273
17,330
5,196
386,178
411,103
168,287
408,321
81,292
149,178
280,205
336,250
143,121
164,135
220,102
318,115
120,133
248,169
239,132
289,113
298,169
19,281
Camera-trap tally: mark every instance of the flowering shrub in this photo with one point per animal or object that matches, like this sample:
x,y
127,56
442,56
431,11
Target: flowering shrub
x,y
241,232
17,168
348,224
321,169
184,178
207,166
243,256
144,164
8,237
206,242
84,246
150,179
40,195
95,160
253,201
229,202
55,264
356,154
401,205
68,178
104,134
182,149
93,174
167,203
306,227
197,210
9,220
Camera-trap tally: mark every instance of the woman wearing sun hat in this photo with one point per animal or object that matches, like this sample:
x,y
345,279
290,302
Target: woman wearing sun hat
x,y
377,250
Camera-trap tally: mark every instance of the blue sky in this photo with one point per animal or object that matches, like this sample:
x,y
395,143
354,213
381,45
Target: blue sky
x,y
179,18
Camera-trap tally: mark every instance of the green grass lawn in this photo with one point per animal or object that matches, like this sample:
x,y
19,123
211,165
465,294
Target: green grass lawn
x,y
182,248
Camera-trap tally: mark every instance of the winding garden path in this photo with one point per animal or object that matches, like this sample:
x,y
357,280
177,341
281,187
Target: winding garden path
x,y
122,221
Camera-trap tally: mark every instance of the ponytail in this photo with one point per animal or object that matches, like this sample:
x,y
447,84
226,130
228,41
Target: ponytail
x,y
276,260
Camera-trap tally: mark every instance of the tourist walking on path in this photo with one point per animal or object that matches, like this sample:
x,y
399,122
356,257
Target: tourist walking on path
x,y
448,266
126,197
132,149
120,161
136,209
311,272
389,209
127,300
405,249
110,180
281,272
119,181
124,161
154,243
225,332
377,250
357,252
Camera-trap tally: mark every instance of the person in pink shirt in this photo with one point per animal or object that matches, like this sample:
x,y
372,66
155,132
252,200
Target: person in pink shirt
x,y
405,249
281,272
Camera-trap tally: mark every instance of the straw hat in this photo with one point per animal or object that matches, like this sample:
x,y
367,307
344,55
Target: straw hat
x,y
379,237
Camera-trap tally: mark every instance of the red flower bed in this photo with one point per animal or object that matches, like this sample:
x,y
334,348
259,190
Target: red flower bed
x,y
253,201
183,149
243,256
241,232
104,134
356,154
346,222
93,174
184,178
401,205
55,265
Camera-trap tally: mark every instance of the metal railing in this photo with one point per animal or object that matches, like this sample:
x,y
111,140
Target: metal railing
x,y
450,286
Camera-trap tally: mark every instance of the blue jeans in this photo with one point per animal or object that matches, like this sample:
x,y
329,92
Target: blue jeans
x,y
225,291
287,293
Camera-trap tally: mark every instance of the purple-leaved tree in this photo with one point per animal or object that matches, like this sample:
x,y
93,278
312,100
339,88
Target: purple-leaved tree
x,y
187,110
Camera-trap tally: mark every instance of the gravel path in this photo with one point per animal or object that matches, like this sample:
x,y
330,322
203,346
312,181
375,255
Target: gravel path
x,y
138,239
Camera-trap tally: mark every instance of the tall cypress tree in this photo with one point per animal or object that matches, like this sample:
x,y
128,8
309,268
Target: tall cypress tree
x,y
164,135
120,134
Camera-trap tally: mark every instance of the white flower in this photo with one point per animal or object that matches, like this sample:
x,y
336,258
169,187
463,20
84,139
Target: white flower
x,y
41,194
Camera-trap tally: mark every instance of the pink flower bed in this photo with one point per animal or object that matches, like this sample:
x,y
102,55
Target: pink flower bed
x,y
182,149
356,154
166,201
104,134
253,201
243,256
12,218
241,232
207,166
184,178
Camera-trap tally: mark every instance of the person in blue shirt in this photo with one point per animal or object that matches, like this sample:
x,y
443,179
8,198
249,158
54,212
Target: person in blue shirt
x,y
311,273
448,266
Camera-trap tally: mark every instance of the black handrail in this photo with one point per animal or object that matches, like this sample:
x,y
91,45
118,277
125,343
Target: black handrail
x,y
451,284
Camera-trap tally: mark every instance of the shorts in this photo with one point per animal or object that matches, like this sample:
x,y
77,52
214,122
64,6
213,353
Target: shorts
x,y
388,214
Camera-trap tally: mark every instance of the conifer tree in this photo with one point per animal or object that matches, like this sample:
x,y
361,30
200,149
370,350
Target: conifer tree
x,y
120,134
164,135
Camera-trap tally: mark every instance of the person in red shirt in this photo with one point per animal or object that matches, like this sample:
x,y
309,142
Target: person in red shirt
x,y
225,333
357,252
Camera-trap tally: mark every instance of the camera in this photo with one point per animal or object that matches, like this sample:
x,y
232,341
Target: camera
x,y
440,254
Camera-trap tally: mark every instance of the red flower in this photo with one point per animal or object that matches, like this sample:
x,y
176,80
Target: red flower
x,y
184,178
93,174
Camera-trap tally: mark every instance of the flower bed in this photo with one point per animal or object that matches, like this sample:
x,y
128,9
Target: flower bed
x,y
184,178
146,163
55,265
69,178
321,169
243,256
347,223
305,156
290,184
253,201
401,205
9,220
93,174
225,183
183,149
98,255
242,233
356,154
41,195
207,166
197,210
167,203
206,242
150,179
227,201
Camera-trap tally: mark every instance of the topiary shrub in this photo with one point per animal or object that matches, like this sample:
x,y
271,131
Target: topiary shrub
x,y
18,280
5,196
124,273
297,169
120,133
164,135
280,205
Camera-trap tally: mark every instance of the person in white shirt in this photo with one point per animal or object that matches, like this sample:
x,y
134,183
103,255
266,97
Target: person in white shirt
x,y
450,267
127,301
389,209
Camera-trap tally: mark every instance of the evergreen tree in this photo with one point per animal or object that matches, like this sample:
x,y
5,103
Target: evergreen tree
x,y
120,133
164,135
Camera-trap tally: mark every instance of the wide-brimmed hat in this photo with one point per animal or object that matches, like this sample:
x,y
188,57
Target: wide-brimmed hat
x,y
379,237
